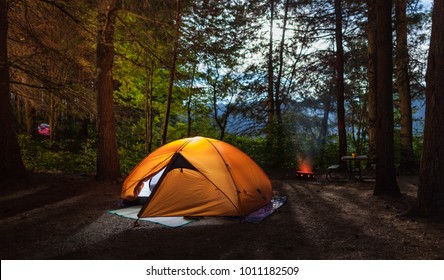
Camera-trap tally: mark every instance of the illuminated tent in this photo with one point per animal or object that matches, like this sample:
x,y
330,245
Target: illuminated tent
x,y
198,177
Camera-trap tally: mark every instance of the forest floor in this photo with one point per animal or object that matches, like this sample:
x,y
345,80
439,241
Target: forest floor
x,y
60,216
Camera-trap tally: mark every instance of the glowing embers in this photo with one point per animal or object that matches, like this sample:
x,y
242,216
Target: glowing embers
x,y
305,174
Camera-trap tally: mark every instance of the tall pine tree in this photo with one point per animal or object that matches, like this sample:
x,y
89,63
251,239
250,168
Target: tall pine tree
x,y
11,165
386,183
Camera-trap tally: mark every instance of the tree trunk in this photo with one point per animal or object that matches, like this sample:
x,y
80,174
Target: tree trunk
x,y
278,93
280,149
108,167
53,117
18,108
172,76
11,164
340,81
30,114
430,199
371,73
83,130
407,160
190,98
220,121
149,88
386,183
270,128
270,96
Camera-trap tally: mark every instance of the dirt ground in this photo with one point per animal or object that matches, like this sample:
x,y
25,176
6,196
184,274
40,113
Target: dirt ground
x,y
59,216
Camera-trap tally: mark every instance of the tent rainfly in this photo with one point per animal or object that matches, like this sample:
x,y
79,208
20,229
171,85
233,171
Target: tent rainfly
x,y
197,177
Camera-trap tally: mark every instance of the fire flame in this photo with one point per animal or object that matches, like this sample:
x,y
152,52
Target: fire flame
x,y
305,165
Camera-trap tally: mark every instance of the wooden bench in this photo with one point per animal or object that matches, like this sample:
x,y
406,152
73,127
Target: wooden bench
x,y
331,169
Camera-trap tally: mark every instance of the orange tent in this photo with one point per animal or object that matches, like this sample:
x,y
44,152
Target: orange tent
x,y
198,177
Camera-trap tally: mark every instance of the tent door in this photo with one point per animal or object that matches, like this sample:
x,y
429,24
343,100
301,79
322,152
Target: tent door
x,y
150,183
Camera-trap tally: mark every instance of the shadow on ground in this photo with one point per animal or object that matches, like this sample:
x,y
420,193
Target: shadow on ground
x,y
56,216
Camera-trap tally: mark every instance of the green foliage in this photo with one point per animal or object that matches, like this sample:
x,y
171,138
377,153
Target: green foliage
x,y
39,155
222,64
417,147
131,156
328,154
255,147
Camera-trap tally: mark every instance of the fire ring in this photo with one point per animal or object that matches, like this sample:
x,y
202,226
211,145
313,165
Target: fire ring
x,y
305,174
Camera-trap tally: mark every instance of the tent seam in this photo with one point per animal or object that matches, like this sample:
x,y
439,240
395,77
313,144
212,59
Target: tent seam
x,y
227,166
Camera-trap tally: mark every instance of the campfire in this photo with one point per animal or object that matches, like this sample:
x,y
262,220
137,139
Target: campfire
x,y
305,169
305,174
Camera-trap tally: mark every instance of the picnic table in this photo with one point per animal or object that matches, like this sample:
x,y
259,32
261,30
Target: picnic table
x,y
354,165
353,171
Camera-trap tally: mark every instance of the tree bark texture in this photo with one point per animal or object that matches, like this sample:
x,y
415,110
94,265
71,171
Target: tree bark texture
x,y
430,199
190,99
11,164
407,160
386,183
371,74
270,96
270,92
340,80
108,167
148,106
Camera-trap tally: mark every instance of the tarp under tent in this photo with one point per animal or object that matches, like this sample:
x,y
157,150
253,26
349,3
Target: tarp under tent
x,y
197,177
